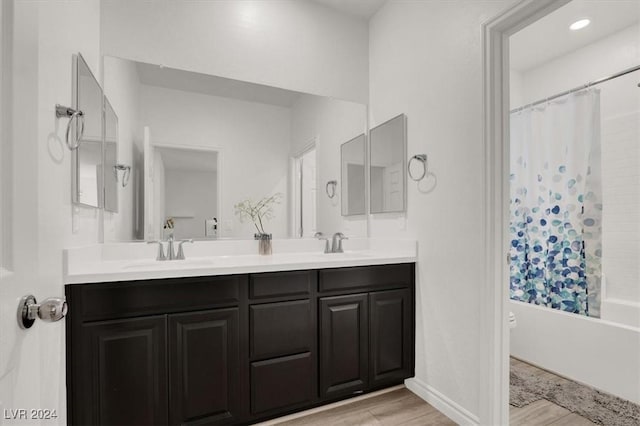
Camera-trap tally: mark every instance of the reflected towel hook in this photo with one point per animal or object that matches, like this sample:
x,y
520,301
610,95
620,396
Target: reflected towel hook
x,y
63,111
331,192
125,176
423,159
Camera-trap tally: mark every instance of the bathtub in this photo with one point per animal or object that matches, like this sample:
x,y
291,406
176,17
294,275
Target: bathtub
x,y
591,351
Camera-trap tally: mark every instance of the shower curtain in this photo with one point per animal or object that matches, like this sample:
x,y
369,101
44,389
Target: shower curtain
x,y
556,207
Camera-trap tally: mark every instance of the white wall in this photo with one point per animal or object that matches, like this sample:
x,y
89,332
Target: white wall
x,y
620,129
47,33
253,141
121,85
332,122
288,43
426,61
190,193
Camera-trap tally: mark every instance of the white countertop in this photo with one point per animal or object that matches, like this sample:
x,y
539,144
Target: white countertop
x,y
136,261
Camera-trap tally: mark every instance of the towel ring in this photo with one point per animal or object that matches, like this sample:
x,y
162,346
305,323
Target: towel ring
x,y
423,159
125,176
331,184
63,111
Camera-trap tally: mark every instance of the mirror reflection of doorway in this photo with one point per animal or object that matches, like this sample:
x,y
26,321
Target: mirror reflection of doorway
x,y
183,191
305,194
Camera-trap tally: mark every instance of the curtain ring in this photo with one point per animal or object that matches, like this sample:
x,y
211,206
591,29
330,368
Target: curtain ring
x,y
78,115
423,159
331,184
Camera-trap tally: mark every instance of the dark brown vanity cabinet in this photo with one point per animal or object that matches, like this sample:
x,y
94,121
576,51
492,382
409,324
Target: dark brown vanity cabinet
x,y
344,339
155,352
235,349
366,338
282,340
123,378
204,367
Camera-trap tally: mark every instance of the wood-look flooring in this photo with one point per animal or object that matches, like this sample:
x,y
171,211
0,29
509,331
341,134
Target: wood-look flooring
x,y
401,407
398,407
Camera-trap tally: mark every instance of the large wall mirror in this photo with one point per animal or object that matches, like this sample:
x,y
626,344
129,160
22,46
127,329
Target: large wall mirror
x,y
352,158
387,166
87,166
201,144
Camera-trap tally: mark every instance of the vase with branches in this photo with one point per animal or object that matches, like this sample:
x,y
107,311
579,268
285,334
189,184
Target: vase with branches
x,y
258,212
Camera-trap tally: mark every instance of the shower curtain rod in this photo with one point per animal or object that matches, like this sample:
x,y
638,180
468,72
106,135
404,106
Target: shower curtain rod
x,y
575,89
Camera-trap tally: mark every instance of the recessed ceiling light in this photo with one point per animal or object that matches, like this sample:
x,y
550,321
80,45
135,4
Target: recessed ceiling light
x,y
580,24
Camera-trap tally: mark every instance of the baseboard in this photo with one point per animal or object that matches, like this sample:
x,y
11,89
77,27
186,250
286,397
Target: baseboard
x,y
326,407
443,404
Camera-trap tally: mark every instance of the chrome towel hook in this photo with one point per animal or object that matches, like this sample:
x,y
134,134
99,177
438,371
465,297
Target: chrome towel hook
x,y
63,111
422,158
330,188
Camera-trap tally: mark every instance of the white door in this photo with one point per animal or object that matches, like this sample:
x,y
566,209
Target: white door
x,y
37,40
151,223
31,361
309,193
305,194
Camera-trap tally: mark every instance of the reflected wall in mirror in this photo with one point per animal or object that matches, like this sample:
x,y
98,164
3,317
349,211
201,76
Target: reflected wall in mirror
x,y
258,131
110,158
387,166
183,188
352,158
87,169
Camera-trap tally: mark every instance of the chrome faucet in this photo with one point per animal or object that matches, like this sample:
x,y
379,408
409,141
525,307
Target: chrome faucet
x,y
160,255
171,254
321,237
336,243
180,255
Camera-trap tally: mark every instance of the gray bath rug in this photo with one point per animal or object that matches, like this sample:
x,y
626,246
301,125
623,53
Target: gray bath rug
x,y
599,407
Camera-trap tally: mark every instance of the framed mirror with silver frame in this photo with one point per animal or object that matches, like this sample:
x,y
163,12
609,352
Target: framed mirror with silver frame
x,y
110,158
387,166
87,159
352,165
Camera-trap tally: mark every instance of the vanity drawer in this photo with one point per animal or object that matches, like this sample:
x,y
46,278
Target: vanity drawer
x,y
137,298
282,383
363,277
277,284
280,328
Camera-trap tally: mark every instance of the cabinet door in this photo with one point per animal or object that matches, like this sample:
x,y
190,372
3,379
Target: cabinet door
x,y
343,345
391,336
204,368
123,373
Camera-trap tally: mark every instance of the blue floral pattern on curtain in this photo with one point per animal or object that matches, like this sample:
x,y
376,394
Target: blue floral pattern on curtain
x,y
556,209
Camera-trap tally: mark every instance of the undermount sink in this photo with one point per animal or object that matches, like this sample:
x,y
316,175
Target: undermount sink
x,y
169,264
347,255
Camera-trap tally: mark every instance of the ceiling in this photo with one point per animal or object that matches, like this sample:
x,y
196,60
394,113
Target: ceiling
x,y
550,37
171,78
188,159
363,9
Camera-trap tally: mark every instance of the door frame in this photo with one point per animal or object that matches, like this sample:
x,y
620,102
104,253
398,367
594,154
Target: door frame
x,y
494,379
6,125
295,187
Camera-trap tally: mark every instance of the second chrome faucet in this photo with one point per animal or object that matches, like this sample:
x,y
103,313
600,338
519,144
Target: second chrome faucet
x,y
171,254
336,242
